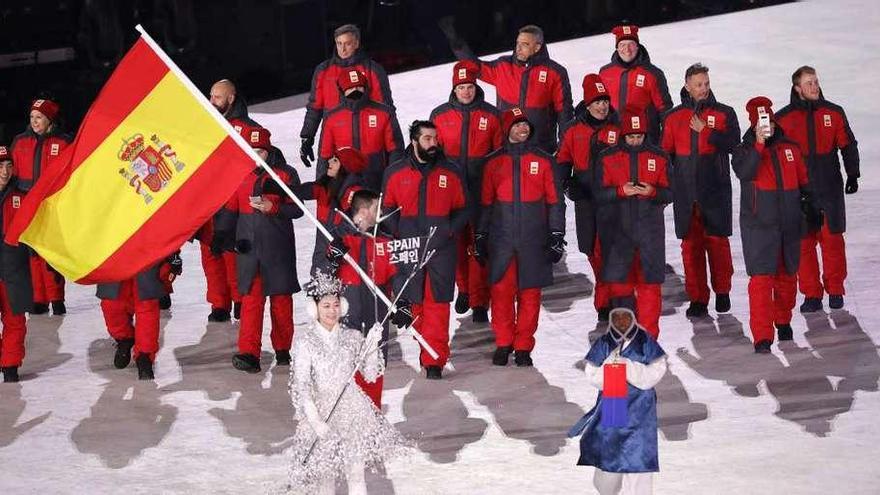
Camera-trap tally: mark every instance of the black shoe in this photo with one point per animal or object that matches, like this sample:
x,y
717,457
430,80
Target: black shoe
x,y
523,358
236,310
145,367
123,353
722,303
58,308
10,374
246,362
603,313
40,309
783,330
762,347
480,315
835,302
811,305
165,302
502,354
219,315
433,372
462,303
282,357
697,310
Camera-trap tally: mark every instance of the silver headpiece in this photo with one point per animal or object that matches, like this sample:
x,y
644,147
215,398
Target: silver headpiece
x,y
323,284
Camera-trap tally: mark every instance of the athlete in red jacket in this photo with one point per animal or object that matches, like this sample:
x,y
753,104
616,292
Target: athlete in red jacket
x,y
632,80
699,135
468,129
774,197
593,128
821,129
16,294
521,234
529,80
32,151
363,124
324,95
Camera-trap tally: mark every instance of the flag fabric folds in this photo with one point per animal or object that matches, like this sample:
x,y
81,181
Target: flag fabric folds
x,y
150,164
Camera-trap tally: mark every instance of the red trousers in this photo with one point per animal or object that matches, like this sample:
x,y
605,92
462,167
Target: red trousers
x,y
695,248
13,333
118,315
48,286
601,294
221,277
833,264
771,299
373,390
433,323
470,276
647,296
250,330
514,311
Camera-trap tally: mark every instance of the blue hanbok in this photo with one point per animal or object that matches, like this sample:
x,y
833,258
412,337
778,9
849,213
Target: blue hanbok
x,y
633,448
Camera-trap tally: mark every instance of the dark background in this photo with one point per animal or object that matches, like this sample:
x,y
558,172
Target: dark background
x,y
65,49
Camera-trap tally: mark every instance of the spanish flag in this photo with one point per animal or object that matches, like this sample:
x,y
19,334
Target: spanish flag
x,y
151,163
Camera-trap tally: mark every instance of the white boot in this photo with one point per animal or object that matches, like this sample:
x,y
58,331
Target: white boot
x,y
357,485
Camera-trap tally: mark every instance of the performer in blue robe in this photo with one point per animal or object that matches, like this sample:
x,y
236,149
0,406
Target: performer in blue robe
x,y
626,454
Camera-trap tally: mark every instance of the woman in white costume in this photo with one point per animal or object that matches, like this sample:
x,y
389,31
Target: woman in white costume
x,y
356,435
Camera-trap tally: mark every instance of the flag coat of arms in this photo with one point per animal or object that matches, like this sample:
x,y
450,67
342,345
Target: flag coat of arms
x,y
151,163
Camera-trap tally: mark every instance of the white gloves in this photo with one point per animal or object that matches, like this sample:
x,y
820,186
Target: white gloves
x,y
314,419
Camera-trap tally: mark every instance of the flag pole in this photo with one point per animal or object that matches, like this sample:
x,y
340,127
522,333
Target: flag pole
x,y
239,140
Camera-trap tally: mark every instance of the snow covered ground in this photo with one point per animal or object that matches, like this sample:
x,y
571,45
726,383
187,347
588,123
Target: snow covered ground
x,y
802,420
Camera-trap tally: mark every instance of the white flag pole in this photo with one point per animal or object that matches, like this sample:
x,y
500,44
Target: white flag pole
x,y
239,140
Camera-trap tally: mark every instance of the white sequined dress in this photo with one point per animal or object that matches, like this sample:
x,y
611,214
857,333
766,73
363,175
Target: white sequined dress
x,y
358,432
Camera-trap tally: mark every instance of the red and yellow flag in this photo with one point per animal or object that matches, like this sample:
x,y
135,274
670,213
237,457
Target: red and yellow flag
x,y
151,163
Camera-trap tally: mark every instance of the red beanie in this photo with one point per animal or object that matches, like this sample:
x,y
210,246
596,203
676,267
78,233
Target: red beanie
x,y
627,32
46,107
351,159
633,121
464,72
257,137
512,116
351,78
594,89
759,104
4,154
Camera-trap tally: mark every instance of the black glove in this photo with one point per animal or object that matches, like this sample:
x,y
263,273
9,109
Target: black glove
x,y
852,185
219,242
812,215
176,263
305,151
572,189
555,246
336,251
481,247
403,317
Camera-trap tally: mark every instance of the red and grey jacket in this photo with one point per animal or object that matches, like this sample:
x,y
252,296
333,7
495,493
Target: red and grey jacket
x,y
583,138
521,205
821,128
325,95
539,86
15,272
264,243
467,134
774,178
701,163
239,119
148,283
632,224
638,83
428,195
368,127
32,153
373,256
